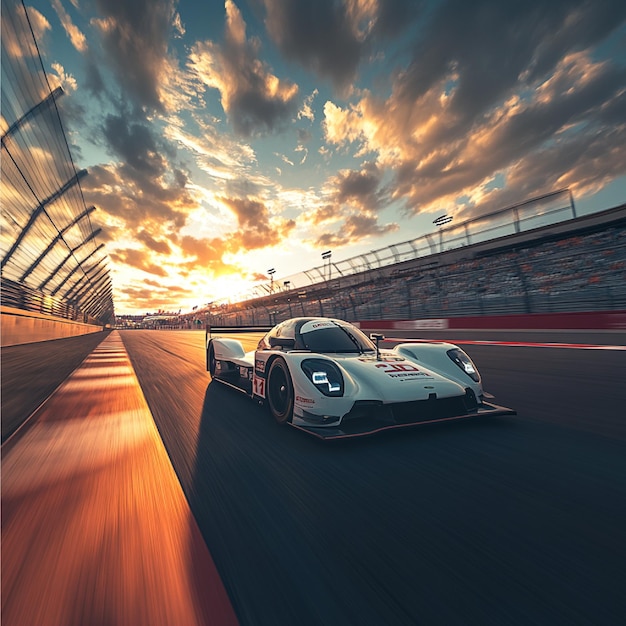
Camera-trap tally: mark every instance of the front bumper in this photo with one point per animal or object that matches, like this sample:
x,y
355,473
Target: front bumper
x,y
373,417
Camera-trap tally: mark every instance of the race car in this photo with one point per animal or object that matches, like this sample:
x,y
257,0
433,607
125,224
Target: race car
x,y
327,377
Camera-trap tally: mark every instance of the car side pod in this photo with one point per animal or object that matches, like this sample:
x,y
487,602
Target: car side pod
x,y
365,427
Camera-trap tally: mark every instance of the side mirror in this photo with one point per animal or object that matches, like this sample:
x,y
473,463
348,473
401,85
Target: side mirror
x,y
377,337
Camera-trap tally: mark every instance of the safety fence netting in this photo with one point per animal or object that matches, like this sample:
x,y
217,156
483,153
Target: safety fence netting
x,y
51,262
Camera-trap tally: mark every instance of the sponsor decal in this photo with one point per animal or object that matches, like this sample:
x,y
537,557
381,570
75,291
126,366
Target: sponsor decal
x,y
402,371
310,326
259,366
305,400
383,358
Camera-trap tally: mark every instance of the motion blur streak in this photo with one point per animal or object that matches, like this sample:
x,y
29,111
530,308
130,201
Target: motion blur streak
x,y
95,527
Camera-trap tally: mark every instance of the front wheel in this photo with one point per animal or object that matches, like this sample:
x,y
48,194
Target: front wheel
x,y
280,392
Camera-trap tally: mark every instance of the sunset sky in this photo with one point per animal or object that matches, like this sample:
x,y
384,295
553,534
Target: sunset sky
x,y
224,139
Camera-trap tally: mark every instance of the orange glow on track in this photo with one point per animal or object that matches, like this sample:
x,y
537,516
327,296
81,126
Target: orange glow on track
x,y
95,526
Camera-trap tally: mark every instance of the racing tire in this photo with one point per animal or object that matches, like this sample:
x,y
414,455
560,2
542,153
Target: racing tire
x,y
279,392
211,362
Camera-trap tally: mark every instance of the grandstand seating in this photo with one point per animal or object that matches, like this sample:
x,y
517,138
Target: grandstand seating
x,y
580,272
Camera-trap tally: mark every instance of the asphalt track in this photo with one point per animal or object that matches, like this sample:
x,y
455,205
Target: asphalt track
x,y
505,521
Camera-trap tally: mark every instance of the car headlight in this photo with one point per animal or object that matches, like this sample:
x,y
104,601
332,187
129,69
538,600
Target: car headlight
x,y
325,375
465,363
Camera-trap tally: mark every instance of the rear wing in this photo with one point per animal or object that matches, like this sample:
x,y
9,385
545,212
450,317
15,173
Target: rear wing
x,y
218,331
212,329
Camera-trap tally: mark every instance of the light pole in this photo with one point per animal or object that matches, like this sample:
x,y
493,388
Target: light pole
x,y
271,272
326,256
440,221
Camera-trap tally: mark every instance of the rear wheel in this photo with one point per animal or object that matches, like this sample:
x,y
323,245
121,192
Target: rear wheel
x,y
280,392
211,360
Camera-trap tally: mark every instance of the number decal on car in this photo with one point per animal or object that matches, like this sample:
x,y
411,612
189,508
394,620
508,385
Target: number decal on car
x,y
258,386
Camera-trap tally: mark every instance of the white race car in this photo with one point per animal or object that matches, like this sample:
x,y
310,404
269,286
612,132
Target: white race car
x,y
325,376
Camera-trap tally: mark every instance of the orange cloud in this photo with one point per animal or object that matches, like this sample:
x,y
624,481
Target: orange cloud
x,y
138,259
354,229
256,228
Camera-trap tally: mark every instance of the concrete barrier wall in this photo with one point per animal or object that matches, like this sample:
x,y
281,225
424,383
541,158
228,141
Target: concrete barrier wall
x,y
19,327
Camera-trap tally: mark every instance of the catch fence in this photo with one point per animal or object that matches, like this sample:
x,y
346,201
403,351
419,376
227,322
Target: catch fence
x,y
51,260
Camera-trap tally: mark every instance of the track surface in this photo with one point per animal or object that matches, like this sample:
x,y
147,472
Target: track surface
x,y
95,526
31,372
510,521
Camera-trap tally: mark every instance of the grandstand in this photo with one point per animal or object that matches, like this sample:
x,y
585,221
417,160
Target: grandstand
x,y
576,264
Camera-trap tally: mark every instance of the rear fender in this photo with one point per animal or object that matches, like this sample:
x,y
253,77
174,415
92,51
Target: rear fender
x,y
227,349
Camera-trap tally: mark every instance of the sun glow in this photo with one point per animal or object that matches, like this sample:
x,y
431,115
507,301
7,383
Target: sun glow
x,y
226,288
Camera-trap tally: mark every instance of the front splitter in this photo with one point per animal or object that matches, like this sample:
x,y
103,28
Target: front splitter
x,y
362,427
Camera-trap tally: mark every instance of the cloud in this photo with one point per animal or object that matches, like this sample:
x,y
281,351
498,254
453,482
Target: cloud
x,y
66,81
254,99
256,228
355,228
206,255
306,110
325,213
139,259
479,99
158,246
94,81
360,189
284,158
332,38
136,144
133,206
135,38
154,296
356,197
491,46
78,39
304,151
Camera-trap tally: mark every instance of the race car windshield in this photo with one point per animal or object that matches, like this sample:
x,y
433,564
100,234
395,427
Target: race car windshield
x,y
336,339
